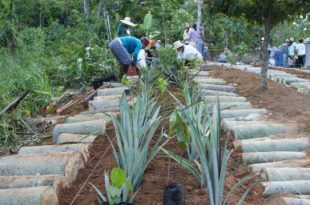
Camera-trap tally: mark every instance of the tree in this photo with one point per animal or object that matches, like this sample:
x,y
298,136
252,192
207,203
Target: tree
x,y
86,9
100,5
267,13
199,23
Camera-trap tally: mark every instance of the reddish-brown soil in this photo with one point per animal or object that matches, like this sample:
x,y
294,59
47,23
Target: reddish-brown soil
x,y
300,73
285,104
159,173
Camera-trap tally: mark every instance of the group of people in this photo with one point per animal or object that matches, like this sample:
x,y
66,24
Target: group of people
x,y
288,54
132,53
191,37
192,48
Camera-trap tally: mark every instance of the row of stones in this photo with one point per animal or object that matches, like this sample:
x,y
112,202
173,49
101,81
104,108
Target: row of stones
x,y
36,174
300,84
267,147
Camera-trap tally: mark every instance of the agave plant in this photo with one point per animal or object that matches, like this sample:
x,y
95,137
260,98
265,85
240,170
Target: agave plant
x,y
207,161
149,76
171,67
134,132
194,110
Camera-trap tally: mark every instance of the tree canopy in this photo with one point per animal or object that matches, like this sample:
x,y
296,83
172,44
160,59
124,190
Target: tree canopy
x,y
267,13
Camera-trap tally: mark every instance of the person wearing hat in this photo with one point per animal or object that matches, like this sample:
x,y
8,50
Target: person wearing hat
x,y
124,27
187,52
123,47
291,52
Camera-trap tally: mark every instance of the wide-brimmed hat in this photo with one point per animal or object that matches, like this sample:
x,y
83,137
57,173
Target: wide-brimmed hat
x,y
292,39
127,21
177,44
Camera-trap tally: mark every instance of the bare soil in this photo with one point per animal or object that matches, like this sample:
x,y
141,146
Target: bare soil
x,y
300,73
159,173
284,103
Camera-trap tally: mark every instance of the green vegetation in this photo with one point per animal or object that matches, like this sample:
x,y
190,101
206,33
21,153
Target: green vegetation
x,y
116,185
266,13
197,127
134,132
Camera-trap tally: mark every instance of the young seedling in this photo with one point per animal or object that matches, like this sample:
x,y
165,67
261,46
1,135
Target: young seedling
x,y
116,184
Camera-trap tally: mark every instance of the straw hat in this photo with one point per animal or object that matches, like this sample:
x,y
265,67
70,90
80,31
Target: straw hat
x,y
127,21
177,44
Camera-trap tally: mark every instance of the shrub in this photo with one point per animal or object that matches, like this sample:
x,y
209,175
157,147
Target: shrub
x,y
31,39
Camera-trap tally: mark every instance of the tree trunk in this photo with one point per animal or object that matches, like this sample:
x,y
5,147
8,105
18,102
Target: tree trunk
x,y
100,5
264,54
86,8
40,14
199,22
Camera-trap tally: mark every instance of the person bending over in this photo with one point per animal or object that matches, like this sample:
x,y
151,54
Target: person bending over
x,y
123,47
123,28
187,52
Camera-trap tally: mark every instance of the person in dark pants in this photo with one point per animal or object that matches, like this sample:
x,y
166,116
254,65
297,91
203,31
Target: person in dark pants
x,y
301,53
123,47
124,27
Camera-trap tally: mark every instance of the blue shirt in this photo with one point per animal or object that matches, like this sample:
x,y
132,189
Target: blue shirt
x,y
291,49
122,30
132,45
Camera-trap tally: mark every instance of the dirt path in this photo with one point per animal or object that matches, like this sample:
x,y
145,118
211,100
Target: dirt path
x,y
300,73
285,103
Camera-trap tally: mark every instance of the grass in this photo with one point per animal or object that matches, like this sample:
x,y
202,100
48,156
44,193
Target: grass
x,y
21,72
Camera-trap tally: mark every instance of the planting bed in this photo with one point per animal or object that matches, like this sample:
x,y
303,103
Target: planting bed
x,y
158,174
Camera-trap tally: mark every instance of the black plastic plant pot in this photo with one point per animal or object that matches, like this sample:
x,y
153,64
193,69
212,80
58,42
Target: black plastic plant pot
x,y
173,194
121,203
127,92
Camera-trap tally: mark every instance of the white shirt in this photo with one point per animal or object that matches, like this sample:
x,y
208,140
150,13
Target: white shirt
x,y
185,35
141,59
301,49
190,53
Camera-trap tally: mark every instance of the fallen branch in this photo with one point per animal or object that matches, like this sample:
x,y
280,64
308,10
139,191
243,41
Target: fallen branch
x,y
66,106
89,97
14,104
